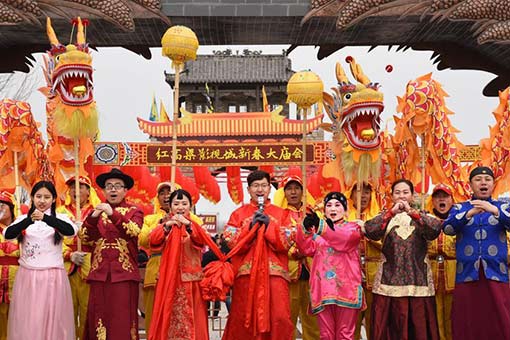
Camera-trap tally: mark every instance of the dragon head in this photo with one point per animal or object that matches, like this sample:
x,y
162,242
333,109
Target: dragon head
x,y
357,108
71,68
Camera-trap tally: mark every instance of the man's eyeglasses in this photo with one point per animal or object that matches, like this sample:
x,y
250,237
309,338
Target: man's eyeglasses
x,y
116,186
260,186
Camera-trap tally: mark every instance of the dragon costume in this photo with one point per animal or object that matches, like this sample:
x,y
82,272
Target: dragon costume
x,y
71,110
354,111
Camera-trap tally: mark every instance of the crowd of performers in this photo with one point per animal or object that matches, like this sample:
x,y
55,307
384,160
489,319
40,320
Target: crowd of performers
x,y
402,272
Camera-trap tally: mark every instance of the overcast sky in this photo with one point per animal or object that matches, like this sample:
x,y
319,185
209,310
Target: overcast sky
x,y
125,83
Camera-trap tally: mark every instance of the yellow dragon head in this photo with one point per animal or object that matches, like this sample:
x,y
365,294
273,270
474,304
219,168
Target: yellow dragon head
x,y
71,68
355,113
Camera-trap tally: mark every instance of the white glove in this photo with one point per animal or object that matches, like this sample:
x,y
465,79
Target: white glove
x,y
78,257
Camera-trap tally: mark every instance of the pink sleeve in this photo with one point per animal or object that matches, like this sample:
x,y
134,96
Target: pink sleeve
x,y
306,244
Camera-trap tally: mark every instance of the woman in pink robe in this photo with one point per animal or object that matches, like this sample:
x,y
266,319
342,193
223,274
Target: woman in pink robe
x,y
335,278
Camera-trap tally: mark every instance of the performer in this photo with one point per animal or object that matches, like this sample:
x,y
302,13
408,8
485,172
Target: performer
x,y
9,254
403,304
441,253
299,265
150,222
260,296
481,298
42,305
161,208
370,250
179,310
77,263
335,281
114,277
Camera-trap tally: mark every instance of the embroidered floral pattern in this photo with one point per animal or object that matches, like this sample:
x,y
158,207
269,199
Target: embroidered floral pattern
x,y
181,318
124,254
100,330
31,250
97,258
132,229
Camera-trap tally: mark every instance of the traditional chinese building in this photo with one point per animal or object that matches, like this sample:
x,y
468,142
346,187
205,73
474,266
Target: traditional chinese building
x,y
233,81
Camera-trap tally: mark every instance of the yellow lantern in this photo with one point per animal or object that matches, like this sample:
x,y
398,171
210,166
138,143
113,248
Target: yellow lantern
x,y
304,89
180,44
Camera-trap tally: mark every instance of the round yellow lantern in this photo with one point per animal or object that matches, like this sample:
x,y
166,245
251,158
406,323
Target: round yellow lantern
x,y
180,44
304,89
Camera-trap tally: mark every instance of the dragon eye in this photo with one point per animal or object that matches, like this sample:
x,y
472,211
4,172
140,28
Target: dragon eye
x,y
57,58
347,97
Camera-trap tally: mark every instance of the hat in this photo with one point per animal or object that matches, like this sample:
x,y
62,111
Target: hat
x,y
8,198
115,173
442,187
163,185
336,196
291,178
481,170
81,179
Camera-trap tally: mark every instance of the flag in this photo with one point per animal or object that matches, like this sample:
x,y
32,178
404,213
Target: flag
x,y
163,116
153,116
209,104
265,105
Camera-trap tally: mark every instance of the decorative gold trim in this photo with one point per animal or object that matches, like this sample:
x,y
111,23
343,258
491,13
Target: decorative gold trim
x,y
100,330
132,229
124,254
100,244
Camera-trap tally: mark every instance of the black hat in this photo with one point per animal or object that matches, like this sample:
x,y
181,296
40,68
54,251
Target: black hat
x,y
115,173
481,170
336,196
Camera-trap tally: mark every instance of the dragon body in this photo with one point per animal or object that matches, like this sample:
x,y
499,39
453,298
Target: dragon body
x,y
19,133
425,116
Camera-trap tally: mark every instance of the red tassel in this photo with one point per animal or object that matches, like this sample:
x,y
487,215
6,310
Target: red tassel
x,y
234,184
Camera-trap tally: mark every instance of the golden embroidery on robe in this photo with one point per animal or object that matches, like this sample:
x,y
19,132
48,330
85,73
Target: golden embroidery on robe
x,y
100,330
100,244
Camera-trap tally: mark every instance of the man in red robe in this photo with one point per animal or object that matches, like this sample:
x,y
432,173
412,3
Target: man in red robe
x,y
260,295
113,226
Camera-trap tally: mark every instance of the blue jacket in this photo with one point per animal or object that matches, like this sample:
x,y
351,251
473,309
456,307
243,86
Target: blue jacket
x,y
481,239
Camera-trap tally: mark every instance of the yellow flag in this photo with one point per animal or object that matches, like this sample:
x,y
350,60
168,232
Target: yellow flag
x,y
265,105
163,116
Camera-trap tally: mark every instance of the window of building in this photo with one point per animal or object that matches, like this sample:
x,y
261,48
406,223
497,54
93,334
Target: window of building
x,y
243,108
232,108
198,108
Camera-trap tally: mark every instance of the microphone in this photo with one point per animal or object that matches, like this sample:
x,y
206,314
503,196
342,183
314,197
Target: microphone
x,y
260,202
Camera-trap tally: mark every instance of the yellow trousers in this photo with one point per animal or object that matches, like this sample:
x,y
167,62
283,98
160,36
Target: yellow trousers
x,y
443,312
148,301
367,314
299,302
4,312
80,291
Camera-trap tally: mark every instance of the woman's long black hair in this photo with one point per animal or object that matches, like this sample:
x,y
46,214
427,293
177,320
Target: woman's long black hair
x,y
51,188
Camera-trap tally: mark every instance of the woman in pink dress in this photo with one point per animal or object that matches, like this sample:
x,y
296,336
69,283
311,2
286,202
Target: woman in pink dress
x,y
41,306
335,277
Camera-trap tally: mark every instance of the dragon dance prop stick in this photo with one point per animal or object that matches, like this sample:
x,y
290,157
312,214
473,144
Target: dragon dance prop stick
x,y
180,44
422,167
304,89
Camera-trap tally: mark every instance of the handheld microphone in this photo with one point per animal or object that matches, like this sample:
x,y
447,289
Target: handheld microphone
x,y
260,202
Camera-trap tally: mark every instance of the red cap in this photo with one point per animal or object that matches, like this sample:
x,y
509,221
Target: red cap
x,y
442,187
82,180
292,178
7,197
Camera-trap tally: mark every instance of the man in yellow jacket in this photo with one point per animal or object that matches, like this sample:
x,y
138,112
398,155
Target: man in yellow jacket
x,y
77,261
299,265
370,250
441,254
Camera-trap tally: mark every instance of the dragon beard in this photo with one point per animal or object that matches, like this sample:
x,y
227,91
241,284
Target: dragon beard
x,y
359,166
76,121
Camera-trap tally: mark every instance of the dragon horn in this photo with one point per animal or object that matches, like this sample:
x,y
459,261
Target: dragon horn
x,y
357,72
80,36
340,74
51,33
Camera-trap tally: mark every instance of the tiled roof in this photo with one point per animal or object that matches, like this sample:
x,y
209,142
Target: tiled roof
x,y
236,69
225,125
